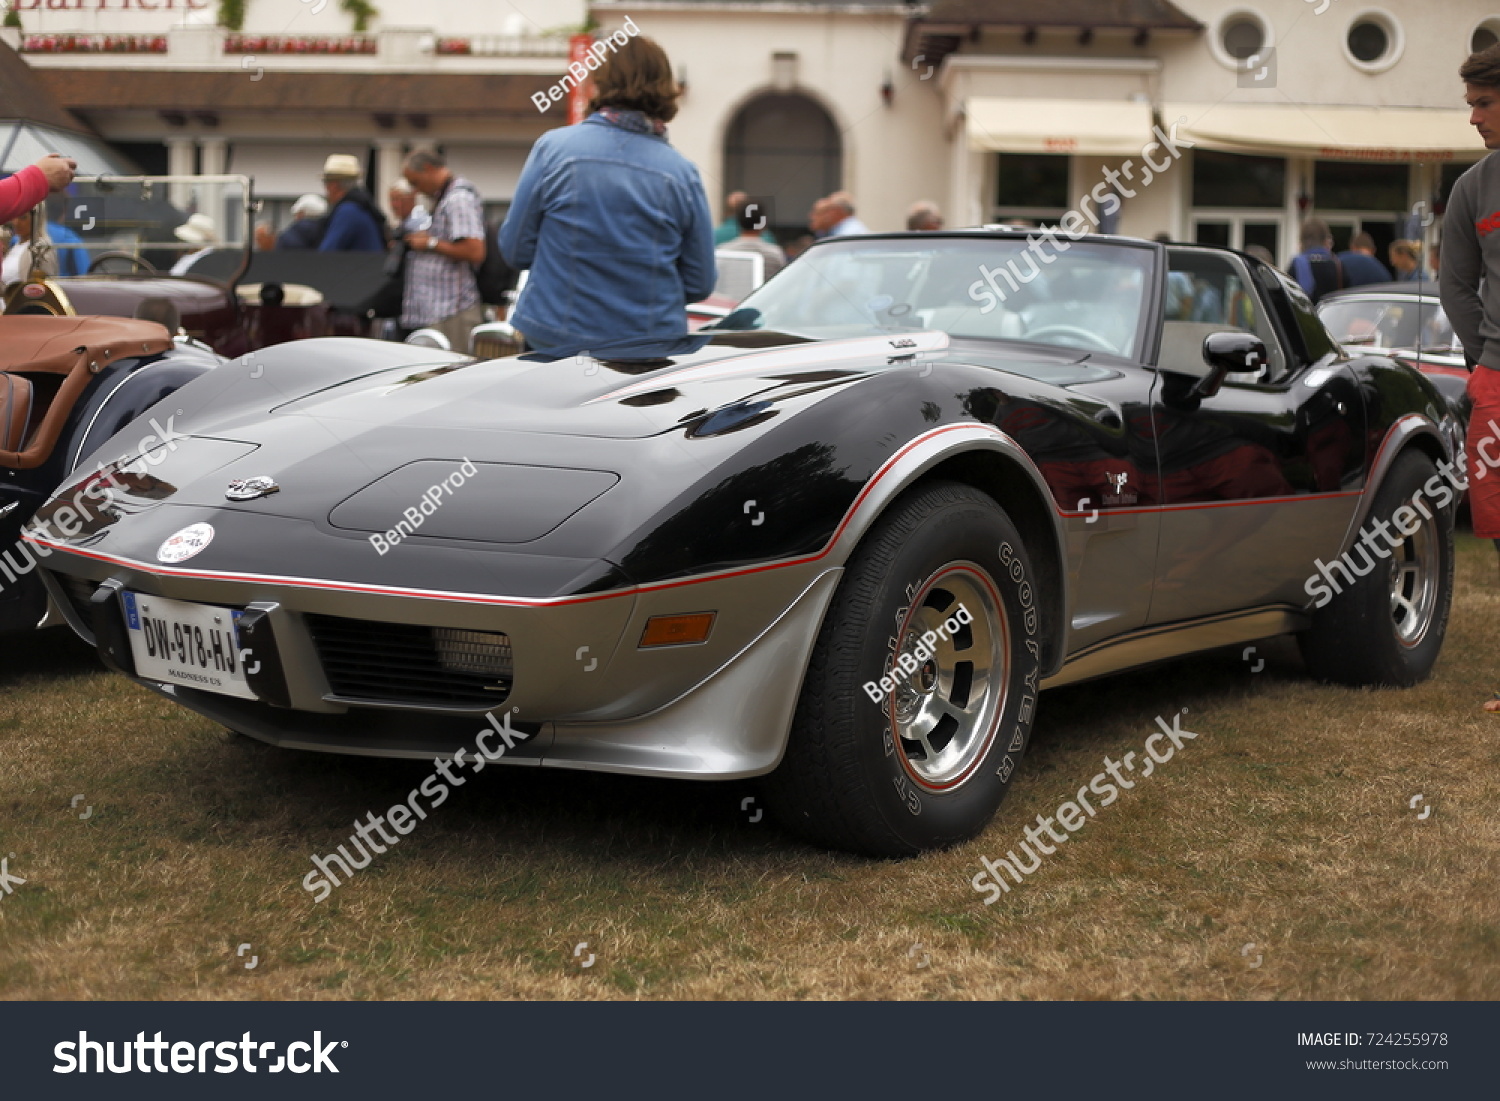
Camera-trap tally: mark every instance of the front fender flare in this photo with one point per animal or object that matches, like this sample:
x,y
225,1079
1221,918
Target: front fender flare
x,y
923,456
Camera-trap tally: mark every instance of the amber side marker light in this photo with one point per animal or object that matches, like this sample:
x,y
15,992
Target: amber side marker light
x,y
677,630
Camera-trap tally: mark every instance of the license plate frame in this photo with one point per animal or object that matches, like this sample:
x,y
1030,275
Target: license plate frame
x,y
186,644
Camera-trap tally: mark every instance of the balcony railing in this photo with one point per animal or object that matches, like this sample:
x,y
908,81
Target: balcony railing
x,y
300,44
202,45
503,45
94,44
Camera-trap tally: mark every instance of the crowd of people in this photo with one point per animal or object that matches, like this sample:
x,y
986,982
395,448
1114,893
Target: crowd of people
x,y
1319,270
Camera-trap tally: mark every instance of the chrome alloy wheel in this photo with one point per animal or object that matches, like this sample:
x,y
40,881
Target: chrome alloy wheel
x,y
1414,582
950,692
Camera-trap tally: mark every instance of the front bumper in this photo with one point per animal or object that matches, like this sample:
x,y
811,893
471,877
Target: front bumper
x,y
586,694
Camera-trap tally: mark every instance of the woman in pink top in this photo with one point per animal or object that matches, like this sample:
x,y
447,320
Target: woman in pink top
x,y
21,192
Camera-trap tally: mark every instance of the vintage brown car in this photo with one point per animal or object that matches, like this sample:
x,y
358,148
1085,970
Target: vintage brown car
x,y
175,249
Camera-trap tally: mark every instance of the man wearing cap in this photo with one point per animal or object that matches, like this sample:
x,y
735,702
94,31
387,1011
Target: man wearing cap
x,y
308,224
198,230
354,225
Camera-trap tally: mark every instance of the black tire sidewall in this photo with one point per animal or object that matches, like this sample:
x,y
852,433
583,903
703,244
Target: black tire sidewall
x,y
1353,639
972,530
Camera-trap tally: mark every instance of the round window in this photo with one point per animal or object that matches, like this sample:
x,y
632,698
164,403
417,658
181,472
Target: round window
x,y
1483,38
1243,37
1369,41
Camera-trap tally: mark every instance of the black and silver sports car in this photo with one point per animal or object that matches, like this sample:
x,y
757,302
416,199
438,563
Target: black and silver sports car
x,y
842,541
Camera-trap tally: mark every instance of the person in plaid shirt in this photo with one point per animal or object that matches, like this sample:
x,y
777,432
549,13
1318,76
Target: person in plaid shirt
x,y
441,291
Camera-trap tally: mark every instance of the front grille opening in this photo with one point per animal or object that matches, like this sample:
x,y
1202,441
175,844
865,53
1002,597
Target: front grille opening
x,y
404,664
483,653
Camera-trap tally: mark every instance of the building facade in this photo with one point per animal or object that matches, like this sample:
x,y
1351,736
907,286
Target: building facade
x,y
178,93
1005,109
1271,110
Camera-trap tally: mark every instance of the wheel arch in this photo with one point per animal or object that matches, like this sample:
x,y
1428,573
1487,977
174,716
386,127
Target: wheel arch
x,y
985,458
1408,433
1003,479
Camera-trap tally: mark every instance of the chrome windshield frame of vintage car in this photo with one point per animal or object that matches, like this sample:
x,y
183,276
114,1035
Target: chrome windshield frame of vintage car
x,y
244,210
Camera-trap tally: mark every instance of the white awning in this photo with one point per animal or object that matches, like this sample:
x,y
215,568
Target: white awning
x,y
1093,127
1390,134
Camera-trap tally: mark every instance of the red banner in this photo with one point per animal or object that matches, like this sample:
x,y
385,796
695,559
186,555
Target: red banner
x,y
579,47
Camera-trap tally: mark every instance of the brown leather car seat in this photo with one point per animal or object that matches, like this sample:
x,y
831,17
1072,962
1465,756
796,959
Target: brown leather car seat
x,y
15,410
76,348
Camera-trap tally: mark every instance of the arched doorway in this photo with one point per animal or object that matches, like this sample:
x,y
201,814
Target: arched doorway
x,y
783,147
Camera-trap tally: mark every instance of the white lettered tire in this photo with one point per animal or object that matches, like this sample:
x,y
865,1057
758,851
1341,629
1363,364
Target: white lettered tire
x,y
926,764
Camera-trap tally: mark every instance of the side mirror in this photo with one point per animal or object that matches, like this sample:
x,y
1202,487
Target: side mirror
x,y
1225,353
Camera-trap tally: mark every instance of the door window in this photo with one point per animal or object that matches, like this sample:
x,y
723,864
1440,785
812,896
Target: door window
x,y
1210,292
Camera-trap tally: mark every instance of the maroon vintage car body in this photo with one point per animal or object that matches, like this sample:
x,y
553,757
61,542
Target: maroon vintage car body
x,y
229,322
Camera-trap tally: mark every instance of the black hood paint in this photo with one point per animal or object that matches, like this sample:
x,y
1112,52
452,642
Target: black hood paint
x,y
799,428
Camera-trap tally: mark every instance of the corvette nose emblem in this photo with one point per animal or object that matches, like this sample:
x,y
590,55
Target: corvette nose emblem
x,y
248,489
1119,480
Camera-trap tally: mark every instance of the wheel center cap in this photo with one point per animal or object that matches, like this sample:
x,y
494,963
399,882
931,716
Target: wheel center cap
x,y
927,677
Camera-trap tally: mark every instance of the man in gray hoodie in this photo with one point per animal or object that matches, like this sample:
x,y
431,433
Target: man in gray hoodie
x,y
1470,287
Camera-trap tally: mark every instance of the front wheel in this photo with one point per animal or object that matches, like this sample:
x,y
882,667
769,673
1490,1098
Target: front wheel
x,y
1386,625
921,690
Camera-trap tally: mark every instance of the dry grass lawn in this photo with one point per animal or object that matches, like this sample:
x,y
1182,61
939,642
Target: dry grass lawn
x,y
1286,825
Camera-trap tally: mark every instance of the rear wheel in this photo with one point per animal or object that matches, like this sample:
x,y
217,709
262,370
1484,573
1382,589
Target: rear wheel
x,y
922,686
1387,627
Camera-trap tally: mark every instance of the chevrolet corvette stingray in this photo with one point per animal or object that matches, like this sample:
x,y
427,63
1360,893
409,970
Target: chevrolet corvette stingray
x,y
841,540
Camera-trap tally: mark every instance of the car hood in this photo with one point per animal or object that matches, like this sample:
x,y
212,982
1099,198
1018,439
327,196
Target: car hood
x,y
587,396
603,398
349,453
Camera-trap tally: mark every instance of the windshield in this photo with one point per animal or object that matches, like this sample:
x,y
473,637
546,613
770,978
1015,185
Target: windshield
x,y
1089,297
123,224
1390,323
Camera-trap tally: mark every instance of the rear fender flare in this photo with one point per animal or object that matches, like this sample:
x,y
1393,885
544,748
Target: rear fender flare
x,y
1411,430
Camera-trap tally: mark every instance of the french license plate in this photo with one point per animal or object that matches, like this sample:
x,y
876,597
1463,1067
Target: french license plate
x,y
194,645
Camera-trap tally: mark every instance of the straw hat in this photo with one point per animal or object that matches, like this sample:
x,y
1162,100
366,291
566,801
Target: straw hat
x,y
343,166
199,229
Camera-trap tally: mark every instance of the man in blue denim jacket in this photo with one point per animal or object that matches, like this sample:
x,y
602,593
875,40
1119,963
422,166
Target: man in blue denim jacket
x,y
612,222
